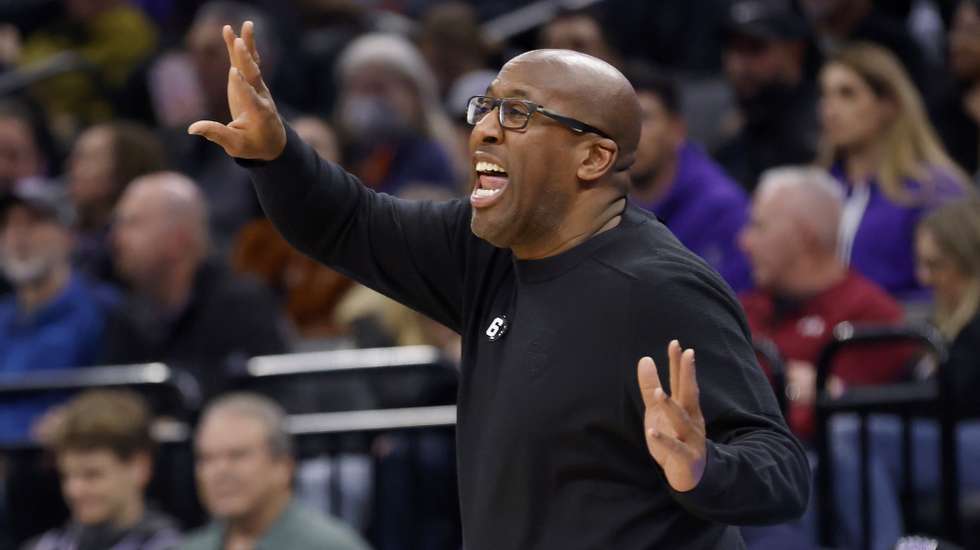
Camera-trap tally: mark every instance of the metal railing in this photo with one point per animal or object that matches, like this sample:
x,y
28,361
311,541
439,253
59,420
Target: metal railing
x,y
906,401
182,383
337,361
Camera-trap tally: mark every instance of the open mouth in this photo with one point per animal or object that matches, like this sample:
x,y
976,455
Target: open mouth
x,y
491,179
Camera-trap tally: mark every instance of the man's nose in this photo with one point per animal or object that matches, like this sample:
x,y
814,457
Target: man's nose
x,y
487,129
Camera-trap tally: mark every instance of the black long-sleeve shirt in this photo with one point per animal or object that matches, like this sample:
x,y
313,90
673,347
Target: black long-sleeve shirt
x,y
550,438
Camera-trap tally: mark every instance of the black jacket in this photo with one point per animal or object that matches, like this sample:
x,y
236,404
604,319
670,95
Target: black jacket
x,y
228,318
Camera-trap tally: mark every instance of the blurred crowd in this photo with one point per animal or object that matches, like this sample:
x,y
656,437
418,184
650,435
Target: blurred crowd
x,y
822,155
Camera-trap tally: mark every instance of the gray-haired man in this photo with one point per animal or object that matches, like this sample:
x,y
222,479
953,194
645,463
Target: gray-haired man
x,y
244,474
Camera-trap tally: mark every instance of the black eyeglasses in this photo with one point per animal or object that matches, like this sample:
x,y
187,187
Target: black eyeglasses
x,y
514,114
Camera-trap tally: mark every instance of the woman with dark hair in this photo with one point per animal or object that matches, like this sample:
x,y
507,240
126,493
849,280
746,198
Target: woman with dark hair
x,y
947,249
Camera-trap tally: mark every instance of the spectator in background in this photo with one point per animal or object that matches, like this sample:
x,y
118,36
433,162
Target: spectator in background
x,y
22,154
676,180
390,117
231,200
54,319
581,31
764,56
463,88
452,42
107,40
186,309
244,474
838,23
877,141
804,290
309,290
947,249
105,158
958,116
104,450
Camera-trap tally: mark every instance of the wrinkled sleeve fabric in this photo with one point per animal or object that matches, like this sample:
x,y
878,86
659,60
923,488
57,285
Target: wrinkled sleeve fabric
x,y
411,251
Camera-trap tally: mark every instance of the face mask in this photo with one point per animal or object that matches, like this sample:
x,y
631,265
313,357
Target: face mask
x,y
369,119
25,271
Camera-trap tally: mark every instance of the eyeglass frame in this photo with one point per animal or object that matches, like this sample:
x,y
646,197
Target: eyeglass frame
x,y
572,124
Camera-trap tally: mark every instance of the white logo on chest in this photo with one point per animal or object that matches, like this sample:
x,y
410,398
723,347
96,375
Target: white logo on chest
x,y
497,328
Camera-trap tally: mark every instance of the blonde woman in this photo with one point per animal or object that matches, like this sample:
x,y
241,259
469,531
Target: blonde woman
x,y
878,142
947,249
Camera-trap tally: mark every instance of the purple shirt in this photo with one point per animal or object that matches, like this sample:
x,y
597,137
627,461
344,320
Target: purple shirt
x,y
706,209
881,246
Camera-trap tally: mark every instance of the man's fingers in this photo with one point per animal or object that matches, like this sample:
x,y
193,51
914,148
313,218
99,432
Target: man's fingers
x,y
245,92
649,379
228,34
680,421
689,394
227,138
248,35
674,354
665,447
246,65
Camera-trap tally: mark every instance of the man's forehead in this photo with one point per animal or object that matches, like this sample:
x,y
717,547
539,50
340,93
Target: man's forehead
x,y
526,80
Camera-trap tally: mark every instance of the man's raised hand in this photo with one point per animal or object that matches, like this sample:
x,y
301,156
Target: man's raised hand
x,y
673,424
255,131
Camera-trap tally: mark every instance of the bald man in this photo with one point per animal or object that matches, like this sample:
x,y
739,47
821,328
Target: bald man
x,y
569,435
803,290
186,308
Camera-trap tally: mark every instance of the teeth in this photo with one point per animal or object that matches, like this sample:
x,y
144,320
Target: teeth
x,y
484,166
485,192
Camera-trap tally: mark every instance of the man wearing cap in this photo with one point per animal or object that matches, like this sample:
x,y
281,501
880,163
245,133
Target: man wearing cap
x,y
54,319
765,52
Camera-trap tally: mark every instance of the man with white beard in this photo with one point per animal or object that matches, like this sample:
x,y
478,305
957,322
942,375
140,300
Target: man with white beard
x,y
53,319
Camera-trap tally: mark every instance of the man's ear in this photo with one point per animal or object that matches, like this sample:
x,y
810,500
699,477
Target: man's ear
x,y
599,160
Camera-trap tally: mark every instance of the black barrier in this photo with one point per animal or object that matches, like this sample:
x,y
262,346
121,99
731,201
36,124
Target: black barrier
x,y
906,401
402,397
769,352
33,498
411,428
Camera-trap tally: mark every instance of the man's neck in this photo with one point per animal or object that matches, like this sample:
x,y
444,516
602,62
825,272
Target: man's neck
x,y
814,277
251,527
172,291
34,295
130,514
574,231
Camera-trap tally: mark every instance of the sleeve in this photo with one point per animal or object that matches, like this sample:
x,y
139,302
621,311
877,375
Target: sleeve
x,y
411,251
756,470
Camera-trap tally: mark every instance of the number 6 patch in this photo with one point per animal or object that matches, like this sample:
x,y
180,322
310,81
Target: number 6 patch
x,y
497,328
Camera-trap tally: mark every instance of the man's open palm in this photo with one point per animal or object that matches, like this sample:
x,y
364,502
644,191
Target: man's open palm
x,y
255,131
673,424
